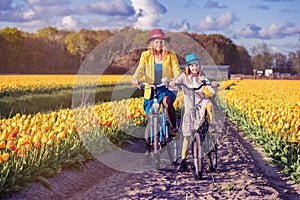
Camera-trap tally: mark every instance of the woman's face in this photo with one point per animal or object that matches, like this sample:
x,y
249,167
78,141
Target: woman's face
x,y
195,68
158,44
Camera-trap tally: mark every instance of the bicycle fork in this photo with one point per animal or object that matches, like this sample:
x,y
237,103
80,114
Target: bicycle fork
x,y
158,125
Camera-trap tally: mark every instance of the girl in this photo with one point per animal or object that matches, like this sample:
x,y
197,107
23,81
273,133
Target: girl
x,y
192,77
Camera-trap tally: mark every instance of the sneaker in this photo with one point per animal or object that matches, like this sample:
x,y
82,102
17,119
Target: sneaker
x,y
183,166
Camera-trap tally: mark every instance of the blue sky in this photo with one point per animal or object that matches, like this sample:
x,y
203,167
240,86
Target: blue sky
x,y
246,22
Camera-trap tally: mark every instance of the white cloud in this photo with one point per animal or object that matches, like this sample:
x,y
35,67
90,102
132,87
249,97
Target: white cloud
x,y
220,23
182,27
148,12
272,32
69,23
28,14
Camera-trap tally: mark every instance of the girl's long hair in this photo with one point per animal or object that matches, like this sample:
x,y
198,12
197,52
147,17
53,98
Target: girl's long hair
x,y
188,71
153,51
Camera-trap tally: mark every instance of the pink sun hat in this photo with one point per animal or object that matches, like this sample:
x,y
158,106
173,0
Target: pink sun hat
x,y
158,34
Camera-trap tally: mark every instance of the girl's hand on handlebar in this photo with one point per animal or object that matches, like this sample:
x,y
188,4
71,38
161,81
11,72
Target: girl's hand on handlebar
x,y
134,82
214,84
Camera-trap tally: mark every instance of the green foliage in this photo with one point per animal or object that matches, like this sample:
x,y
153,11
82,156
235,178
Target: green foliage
x,y
48,32
41,164
74,43
15,38
13,35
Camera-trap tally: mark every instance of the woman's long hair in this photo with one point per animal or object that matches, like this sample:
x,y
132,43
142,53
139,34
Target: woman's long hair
x,y
154,52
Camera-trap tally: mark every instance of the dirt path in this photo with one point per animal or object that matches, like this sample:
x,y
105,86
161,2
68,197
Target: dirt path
x,y
243,173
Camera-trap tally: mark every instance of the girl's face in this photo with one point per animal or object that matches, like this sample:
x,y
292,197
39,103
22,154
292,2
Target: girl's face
x,y
158,44
195,68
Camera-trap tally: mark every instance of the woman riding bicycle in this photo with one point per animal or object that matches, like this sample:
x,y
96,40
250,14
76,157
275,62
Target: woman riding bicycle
x,y
157,63
193,77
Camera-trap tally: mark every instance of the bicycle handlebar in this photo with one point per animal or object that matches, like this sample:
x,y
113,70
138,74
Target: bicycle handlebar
x,y
204,83
154,85
164,83
193,88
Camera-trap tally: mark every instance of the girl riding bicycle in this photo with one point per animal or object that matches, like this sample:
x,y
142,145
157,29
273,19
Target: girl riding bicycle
x,y
193,76
156,63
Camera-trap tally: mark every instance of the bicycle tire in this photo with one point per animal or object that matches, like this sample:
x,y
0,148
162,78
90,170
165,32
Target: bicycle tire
x,y
172,149
213,159
156,145
198,157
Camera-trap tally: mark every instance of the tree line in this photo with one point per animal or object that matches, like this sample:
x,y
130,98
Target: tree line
x,y
53,51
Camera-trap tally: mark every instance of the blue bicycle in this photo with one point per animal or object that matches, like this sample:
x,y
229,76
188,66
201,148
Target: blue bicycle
x,y
159,137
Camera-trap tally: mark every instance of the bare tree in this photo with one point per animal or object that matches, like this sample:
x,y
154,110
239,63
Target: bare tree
x,y
261,57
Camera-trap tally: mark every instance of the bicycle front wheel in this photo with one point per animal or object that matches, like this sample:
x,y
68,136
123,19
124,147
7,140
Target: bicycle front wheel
x,y
198,157
213,157
156,144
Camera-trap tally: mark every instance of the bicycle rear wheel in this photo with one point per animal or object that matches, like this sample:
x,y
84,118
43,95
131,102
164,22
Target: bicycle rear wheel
x,y
198,157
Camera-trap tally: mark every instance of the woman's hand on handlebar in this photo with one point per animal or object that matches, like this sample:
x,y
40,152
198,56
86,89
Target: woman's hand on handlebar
x,y
172,83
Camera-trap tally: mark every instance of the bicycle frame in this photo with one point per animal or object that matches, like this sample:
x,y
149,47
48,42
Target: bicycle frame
x,y
194,107
157,117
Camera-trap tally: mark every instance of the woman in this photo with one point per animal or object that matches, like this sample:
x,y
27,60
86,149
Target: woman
x,y
157,63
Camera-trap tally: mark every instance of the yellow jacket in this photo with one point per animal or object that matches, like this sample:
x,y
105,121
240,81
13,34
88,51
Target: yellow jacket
x,y
146,71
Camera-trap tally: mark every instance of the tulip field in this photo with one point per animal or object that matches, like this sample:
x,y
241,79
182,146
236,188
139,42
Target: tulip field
x,y
34,147
12,84
269,112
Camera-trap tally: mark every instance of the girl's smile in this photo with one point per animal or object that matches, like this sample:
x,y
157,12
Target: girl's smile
x,y
195,68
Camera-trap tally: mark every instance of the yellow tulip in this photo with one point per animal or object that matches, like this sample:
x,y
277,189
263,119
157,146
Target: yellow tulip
x,y
5,157
294,138
2,144
3,135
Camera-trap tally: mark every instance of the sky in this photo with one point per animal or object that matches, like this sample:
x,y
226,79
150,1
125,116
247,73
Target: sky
x,y
247,23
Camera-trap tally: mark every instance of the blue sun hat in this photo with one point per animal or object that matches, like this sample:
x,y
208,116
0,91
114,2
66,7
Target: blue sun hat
x,y
191,58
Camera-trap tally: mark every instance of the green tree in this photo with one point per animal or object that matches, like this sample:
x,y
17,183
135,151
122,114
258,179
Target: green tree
x,y
76,44
14,37
48,32
12,48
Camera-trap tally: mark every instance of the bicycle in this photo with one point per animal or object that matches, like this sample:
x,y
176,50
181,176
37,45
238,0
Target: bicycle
x,y
159,128
199,134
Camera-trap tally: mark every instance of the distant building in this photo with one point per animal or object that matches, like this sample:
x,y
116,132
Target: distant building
x,y
268,72
217,72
